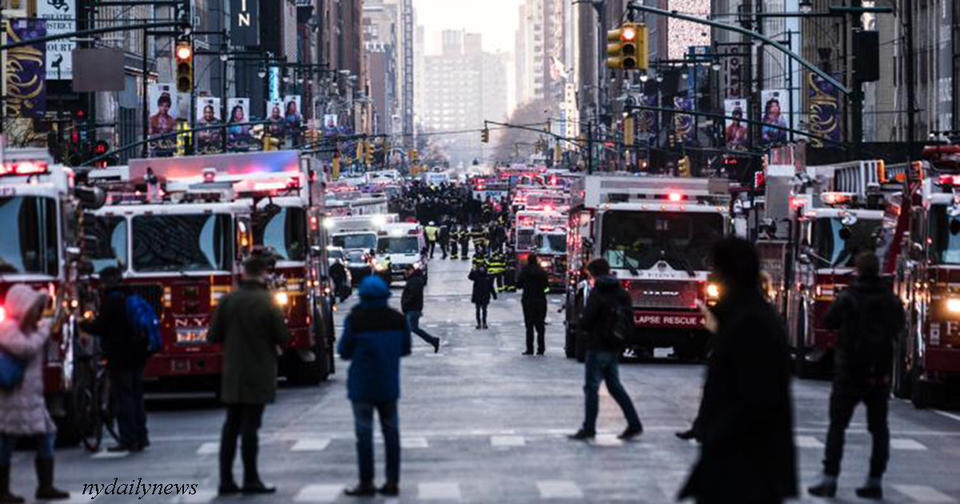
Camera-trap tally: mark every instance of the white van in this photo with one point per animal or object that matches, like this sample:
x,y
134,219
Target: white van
x,y
399,246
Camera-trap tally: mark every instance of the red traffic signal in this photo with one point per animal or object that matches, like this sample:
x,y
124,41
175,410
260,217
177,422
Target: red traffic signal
x,y
184,51
101,147
628,34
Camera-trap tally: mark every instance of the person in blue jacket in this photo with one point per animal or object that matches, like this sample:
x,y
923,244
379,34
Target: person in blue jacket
x,y
375,337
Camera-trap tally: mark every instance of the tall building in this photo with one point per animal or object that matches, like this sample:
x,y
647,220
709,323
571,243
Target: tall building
x,y
382,34
494,91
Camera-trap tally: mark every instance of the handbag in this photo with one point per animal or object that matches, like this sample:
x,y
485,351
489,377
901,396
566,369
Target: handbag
x,y
11,371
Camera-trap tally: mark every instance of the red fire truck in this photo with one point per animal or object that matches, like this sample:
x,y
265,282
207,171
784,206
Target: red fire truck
x,y
656,233
543,233
41,213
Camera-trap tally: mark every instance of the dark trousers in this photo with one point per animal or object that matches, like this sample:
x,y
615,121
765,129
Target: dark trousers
x,y
604,366
453,249
444,245
534,318
389,425
481,314
431,245
127,388
413,321
842,404
243,420
464,249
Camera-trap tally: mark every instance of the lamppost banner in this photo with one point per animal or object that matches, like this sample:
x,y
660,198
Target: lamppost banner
x,y
823,109
683,123
647,127
275,116
24,85
208,114
162,99
735,132
773,101
238,136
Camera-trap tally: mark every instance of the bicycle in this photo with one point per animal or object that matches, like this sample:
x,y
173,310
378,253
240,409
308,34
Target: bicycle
x,y
95,406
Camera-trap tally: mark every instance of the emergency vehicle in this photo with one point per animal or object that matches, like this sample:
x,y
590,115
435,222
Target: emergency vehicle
x,y
656,233
401,245
41,214
357,232
543,233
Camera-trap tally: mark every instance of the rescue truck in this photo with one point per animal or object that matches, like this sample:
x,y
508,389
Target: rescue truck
x,y
543,233
41,214
357,232
656,233
401,245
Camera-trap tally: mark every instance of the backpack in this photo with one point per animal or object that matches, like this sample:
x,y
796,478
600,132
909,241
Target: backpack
x,y
618,324
144,323
11,371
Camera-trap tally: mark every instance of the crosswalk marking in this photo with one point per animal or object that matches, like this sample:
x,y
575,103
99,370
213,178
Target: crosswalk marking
x,y
103,454
923,493
318,493
507,441
413,442
311,444
208,449
439,491
906,444
808,442
559,489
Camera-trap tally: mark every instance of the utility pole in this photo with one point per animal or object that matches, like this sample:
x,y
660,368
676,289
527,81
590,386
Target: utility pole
x,y
590,147
911,78
856,97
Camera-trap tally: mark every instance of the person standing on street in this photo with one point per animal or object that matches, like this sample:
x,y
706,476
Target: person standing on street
x,y
23,411
454,240
374,339
745,422
464,243
444,237
496,266
605,304
534,281
430,232
867,318
483,290
250,326
411,304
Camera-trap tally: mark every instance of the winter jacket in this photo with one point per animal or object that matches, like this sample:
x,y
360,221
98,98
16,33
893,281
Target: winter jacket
x,y
606,292
483,288
250,326
534,281
444,234
412,297
115,332
746,416
867,318
374,339
23,410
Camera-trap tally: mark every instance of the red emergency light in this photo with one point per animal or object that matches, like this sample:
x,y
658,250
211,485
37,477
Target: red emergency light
x,y
675,197
835,198
797,203
23,168
949,180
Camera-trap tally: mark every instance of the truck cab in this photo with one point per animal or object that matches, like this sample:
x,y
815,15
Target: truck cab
x,y
401,246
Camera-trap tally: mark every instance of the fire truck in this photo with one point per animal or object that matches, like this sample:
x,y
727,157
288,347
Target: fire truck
x,y
41,213
543,233
656,233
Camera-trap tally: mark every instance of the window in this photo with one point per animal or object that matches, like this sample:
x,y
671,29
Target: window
x,y
182,243
30,244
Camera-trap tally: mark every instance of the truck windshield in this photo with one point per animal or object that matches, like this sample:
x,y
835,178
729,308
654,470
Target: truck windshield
x,y
551,243
398,245
836,247
110,248
525,239
365,241
285,232
945,233
638,240
172,243
30,244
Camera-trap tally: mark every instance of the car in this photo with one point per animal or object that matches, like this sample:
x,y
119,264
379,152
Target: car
x,y
359,264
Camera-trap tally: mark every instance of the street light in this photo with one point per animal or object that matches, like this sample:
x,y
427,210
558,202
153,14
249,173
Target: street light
x,y
644,77
261,71
805,6
684,72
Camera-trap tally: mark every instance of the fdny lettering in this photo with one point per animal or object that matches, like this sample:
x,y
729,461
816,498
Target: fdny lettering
x,y
185,322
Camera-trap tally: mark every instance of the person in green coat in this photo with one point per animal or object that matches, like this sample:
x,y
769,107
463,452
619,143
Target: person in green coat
x,y
250,326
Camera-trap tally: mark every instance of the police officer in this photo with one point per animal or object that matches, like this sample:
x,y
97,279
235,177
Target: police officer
x,y
444,237
431,232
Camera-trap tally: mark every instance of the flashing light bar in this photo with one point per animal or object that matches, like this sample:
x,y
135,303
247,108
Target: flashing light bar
x,y
949,180
835,198
797,202
675,197
23,168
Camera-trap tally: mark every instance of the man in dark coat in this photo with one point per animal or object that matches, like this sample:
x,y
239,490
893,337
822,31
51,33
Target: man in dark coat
x,y
533,280
747,452
444,237
375,337
867,318
483,290
411,304
250,326
603,352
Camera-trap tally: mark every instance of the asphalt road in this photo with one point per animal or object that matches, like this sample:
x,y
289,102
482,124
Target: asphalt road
x,y
481,423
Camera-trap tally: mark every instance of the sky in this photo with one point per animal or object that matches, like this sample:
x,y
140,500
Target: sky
x,y
496,20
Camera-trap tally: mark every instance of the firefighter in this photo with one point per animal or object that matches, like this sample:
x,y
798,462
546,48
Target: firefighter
x,y
464,243
497,267
479,237
454,240
510,273
480,258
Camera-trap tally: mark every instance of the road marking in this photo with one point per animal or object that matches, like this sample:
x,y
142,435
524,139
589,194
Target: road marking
x,y
318,493
948,415
808,442
439,491
507,441
414,442
103,454
208,449
906,444
311,444
559,489
923,493
607,440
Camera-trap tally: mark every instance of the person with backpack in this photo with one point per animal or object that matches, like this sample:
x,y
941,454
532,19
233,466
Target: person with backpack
x,y
124,327
606,322
867,317
250,325
534,281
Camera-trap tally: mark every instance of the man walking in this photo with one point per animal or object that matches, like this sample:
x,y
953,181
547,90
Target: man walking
x,y
867,318
250,326
411,304
375,337
598,325
533,280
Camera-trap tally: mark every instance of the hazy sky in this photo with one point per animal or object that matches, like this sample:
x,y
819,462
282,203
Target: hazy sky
x,y
496,20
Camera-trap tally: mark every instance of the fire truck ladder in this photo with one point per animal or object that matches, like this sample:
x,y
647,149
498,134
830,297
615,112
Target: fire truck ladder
x,y
857,177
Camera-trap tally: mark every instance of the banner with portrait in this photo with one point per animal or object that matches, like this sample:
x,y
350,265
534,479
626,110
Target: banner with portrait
x,y
683,124
162,99
823,109
292,117
774,103
238,133
736,129
276,125
647,127
209,140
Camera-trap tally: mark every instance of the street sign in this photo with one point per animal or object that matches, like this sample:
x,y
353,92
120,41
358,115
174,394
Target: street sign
x,y
61,18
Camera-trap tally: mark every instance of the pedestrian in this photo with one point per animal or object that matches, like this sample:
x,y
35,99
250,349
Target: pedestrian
x,y
23,411
534,281
483,290
126,357
454,240
250,326
444,237
464,242
599,323
338,273
497,266
411,304
430,232
374,339
747,451
867,317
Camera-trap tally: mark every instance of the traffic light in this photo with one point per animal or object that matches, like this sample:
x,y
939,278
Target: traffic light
x,y
629,126
485,135
368,154
335,166
683,166
184,56
361,148
414,157
627,47
270,143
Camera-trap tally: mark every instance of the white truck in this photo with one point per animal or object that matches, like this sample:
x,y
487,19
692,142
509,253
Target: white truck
x,y
400,246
